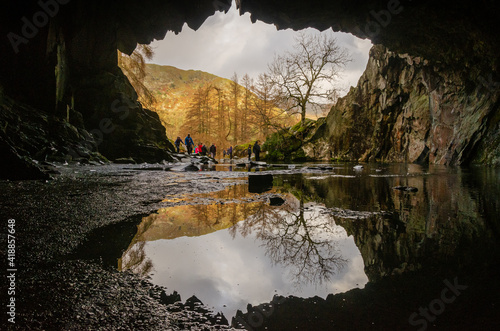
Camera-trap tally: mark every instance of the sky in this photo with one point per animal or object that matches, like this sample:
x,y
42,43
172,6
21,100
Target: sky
x,y
229,43
226,271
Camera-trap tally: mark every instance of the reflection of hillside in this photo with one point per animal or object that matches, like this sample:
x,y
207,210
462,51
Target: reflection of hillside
x,y
443,223
220,210
214,211
135,260
302,238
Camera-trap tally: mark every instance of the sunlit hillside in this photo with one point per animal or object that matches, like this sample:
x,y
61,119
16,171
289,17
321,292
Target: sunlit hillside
x,y
211,108
174,90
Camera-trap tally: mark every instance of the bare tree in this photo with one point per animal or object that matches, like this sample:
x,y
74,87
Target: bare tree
x,y
307,75
264,104
302,241
267,116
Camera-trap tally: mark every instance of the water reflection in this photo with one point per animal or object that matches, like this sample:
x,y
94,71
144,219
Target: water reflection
x,y
301,238
234,248
448,223
335,231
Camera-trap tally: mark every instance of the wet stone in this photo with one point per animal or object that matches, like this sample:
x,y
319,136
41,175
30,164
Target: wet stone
x,y
405,188
191,167
125,161
170,299
276,201
260,183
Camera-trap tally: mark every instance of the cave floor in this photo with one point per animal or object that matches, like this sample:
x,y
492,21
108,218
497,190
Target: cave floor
x,y
57,287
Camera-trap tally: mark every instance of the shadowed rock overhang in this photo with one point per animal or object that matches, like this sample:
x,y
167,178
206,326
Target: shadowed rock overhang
x,y
59,56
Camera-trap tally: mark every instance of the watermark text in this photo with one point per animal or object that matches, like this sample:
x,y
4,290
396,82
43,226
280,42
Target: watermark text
x,y
437,306
11,270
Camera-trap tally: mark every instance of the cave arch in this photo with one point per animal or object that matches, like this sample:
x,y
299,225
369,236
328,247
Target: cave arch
x,y
59,56
81,36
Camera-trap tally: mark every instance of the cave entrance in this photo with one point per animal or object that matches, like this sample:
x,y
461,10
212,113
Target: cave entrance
x,y
227,47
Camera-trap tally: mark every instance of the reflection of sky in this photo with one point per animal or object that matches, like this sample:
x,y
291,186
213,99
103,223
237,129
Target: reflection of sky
x,y
227,274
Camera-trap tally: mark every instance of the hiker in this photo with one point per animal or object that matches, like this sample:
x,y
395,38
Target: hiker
x,y
213,150
200,148
223,153
204,150
249,151
189,143
230,152
178,143
256,150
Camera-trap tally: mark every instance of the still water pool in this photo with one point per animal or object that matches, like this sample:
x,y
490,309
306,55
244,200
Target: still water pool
x,y
314,233
232,252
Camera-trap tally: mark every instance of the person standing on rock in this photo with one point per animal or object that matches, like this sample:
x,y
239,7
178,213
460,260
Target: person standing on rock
x,y
249,151
213,150
230,152
256,150
189,143
178,143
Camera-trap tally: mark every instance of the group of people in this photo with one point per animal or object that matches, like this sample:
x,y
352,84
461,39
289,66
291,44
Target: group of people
x,y
256,151
202,149
228,152
199,149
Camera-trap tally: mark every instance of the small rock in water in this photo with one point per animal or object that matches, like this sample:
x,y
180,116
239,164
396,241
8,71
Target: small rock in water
x,y
358,167
406,188
276,201
191,167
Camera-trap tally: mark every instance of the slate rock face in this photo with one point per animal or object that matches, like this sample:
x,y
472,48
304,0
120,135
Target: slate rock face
x,y
406,109
29,137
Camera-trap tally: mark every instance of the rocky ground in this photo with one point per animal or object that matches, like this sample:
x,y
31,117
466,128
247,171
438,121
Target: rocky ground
x,y
66,259
58,286
70,230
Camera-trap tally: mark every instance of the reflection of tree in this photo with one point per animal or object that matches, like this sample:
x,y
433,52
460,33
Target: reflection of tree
x,y
298,238
135,259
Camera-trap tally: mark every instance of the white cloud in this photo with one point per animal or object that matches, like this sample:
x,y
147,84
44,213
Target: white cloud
x,y
229,43
227,272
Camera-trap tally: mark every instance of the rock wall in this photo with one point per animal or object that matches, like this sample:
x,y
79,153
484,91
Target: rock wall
x,y
59,57
405,109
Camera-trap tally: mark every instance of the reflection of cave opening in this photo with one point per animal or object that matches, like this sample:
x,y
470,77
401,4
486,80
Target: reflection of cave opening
x,y
240,249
